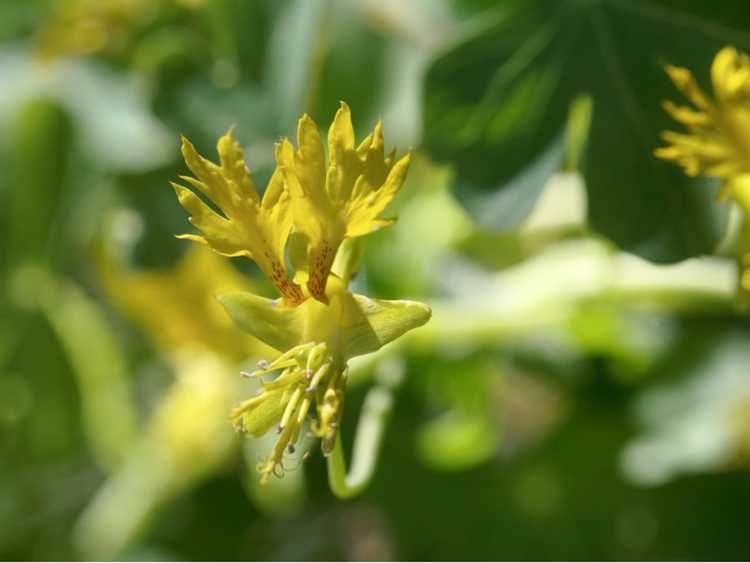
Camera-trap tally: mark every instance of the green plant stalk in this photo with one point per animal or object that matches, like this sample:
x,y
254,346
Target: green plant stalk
x,y
41,137
99,367
367,444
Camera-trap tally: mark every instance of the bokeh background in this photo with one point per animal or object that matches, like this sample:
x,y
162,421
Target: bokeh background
x,y
583,390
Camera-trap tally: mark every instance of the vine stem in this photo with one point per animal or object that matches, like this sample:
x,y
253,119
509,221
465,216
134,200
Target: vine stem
x,y
367,444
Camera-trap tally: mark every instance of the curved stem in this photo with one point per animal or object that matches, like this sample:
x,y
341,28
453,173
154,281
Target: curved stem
x,y
375,411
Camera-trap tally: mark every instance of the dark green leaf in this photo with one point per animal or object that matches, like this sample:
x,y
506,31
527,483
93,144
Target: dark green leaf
x,y
495,102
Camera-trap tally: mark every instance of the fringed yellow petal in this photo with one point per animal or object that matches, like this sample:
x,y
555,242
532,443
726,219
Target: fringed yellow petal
x,y
346,200
233,167
685,115
367,203
685,82
311,154
221,234
246,226
341,135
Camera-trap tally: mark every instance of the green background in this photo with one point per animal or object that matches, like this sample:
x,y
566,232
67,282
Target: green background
x,y
508,441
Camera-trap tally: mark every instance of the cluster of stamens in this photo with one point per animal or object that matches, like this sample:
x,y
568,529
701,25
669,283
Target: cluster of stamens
x,y
309,378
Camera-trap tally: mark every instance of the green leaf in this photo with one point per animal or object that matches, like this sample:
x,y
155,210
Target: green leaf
x,y
99,365
41,138
495,102
457,441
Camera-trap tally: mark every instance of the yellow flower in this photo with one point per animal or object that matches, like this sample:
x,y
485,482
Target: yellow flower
x,y
325,204
186,437
250,226
342,199
718,139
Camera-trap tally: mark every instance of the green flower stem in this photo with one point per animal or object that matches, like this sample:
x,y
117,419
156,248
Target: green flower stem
x,y
367,443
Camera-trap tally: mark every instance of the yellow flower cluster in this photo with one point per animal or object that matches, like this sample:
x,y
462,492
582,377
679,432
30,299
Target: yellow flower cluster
x,y
325,203
343,199
317,325
717,142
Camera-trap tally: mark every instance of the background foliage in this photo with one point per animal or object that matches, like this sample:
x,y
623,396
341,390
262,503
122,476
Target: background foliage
x,y
571,398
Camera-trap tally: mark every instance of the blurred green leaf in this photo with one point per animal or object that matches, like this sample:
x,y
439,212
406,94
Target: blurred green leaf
x,y
495,101
698,423
558,213
349,47
294,61
114,125
41,138
98,364
457,441
425,201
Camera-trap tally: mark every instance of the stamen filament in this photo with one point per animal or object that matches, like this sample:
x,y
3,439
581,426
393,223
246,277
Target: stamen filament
x,y
291,406
303,408
322,371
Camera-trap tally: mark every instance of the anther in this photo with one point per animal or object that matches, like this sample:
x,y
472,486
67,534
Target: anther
x,y
263,364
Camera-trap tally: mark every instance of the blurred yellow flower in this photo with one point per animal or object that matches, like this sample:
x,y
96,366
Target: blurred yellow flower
x,y
718,139
82,27
85,27
342,199
186,437
178,308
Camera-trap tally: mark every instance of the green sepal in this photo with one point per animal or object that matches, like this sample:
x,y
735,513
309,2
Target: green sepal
x,y
369,324
266,319
352,325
